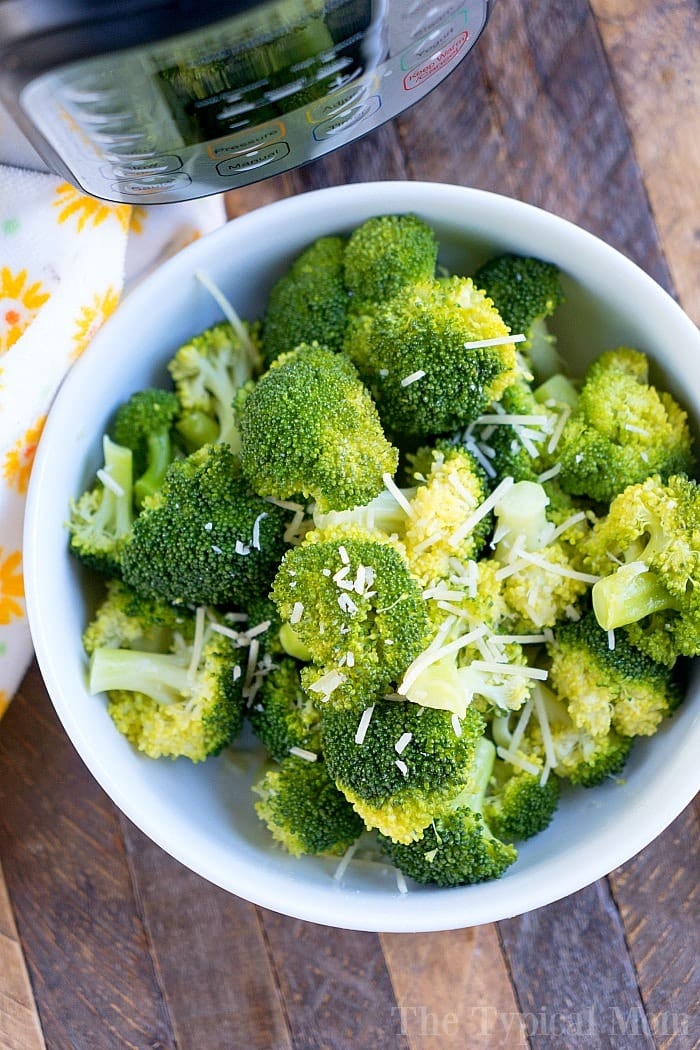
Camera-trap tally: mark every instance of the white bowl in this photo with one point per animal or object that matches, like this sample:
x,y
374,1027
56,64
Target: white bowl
x,y
203,815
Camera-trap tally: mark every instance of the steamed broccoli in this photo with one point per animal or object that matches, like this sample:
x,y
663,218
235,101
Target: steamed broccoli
x,y
542,569
353,603
303,809
435,533
603,687
400,765
517,804
125,619
647,551
184,701
526,292
207,372
386,254
204,538
458,846
282,716
545,741
308,303
423,356
100,519
144,423
623,429
309,426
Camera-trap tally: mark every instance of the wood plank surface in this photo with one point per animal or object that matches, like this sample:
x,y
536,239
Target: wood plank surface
x,y
585,109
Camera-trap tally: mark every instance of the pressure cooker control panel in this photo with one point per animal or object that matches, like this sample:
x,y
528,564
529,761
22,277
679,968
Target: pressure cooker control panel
x,y
193,117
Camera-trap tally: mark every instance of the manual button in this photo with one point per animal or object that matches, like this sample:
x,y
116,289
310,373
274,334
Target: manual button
x,y
146,166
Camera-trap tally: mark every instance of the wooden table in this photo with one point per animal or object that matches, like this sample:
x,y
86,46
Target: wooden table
x,y
592,110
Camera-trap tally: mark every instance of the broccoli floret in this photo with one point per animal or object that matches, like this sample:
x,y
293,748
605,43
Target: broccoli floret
x,y
207,372
458,846
205,538
400,765
384,512
309,426
526,292
125,619
282,716
603,686
144,424
100,519
354,605
386,254
436,531
308,303
623,429
303,809
647,551
518,805
422,356
165,706
542,571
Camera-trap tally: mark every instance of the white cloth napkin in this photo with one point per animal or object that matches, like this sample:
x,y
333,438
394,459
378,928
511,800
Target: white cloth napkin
x,y
65,261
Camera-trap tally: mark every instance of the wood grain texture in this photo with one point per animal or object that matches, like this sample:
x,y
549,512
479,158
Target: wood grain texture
x,y
574,980
209,953
67,874
334,985
453,990
658,898
19,1021
658,45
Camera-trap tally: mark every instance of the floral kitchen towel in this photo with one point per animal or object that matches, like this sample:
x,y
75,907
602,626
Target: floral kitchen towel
x,y
66,259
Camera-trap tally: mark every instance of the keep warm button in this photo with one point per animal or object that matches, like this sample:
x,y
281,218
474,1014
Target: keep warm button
x,y
255,159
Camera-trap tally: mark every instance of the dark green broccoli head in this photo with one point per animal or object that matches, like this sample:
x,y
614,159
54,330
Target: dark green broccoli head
x,y
309,303
422,357
386,254
282,716
207,372
353,603
205,538
604,687
167,708
100,519
518,805
455,849
623,429
309,426
303,809
402,766
515,449
144,423
526,292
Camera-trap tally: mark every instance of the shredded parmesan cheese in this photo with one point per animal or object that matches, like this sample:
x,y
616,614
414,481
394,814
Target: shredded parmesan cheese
x,y
363,726
301,752
414,377
499,340
109,483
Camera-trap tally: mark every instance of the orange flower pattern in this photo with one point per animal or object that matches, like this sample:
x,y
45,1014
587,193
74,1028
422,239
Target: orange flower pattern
x,y
4,701
91,317
72,204
20,302
18,461
11,586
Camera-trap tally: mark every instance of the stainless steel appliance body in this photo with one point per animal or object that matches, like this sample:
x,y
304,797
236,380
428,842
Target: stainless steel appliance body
x,y
155,101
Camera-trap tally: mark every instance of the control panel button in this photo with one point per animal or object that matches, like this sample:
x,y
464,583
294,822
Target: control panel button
x,y
246,141
436,63
339,100
143,166
348,118
434,40
149,184
257,159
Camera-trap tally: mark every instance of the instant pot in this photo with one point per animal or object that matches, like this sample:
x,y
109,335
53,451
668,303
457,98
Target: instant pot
x,y
154,101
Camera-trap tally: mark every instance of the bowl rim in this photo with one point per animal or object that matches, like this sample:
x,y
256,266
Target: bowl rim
x,y
395,913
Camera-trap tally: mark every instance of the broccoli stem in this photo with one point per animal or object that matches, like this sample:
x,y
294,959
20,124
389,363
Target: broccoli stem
x,y
521,514
115,514
163,677
628,595
159,456
472,796
197,429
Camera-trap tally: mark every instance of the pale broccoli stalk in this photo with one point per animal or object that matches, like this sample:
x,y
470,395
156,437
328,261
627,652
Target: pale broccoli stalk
x,y
101,518
521,513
